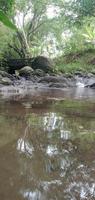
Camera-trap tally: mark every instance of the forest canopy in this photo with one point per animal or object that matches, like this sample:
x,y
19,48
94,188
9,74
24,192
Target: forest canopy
x,y
46,27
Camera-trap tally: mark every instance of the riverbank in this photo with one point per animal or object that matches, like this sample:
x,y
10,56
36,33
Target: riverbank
x,y
83,61
72,70
47,80
38,88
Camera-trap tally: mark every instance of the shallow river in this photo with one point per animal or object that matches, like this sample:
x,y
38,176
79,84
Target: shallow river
x,y
47,145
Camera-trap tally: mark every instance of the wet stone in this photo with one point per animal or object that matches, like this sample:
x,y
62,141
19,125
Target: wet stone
x,y
26,71
5,81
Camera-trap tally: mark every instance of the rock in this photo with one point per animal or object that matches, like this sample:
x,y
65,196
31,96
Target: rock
x,y
54,79
0,77
43,63
58,85
90,81
5,74
5,81
39,62
58,81
79,73
89,75
26,71
92,86
39,72
68,75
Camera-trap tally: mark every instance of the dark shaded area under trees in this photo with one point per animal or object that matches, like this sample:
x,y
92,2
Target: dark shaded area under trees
x,y
39,62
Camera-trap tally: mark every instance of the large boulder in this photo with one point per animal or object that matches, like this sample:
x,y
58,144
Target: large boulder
x,y
39,62
43,63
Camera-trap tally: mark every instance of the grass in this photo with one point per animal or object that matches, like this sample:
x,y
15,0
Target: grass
x,y
79,61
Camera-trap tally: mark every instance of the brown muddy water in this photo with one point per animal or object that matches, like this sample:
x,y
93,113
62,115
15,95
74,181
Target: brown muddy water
x,y
47,145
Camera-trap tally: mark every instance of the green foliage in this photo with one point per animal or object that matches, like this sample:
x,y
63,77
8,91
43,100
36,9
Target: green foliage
x,y
79,61
86,7
5,20
70,29
5,38
74,11
34,29
6,5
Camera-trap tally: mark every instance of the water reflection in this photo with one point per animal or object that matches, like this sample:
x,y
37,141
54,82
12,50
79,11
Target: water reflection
x,y
52,121
50,154
24,147
37,92
51,150
81,191
65,134
32,195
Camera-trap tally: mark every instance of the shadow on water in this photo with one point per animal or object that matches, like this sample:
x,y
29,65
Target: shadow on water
x,y
47,146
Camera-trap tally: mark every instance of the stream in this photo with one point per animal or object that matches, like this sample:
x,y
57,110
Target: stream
x,y
47,144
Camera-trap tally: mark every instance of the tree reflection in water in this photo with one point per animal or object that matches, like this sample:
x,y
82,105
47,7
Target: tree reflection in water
x,y
32,195
23,145
53,158
56,162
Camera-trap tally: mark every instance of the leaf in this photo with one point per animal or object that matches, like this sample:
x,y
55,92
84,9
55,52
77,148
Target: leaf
x,y
6,21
